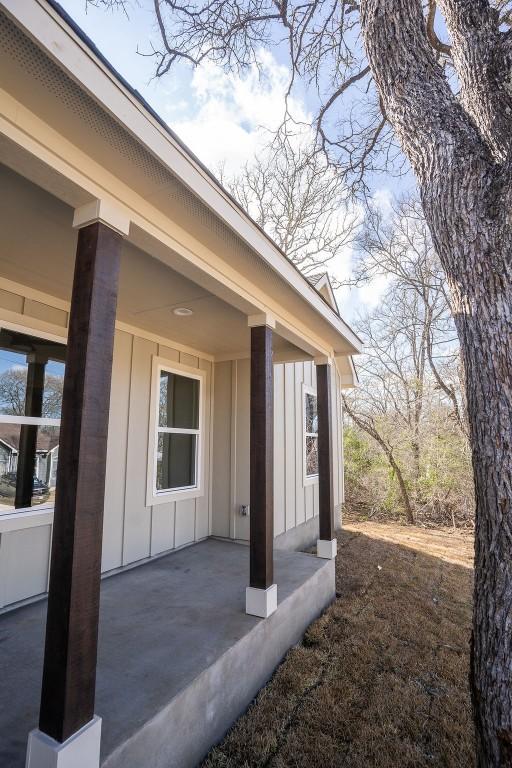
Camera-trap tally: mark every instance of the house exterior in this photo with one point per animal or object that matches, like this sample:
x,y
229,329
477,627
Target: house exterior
x,y
179,371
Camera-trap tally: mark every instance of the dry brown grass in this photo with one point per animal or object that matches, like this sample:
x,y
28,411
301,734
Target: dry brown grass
x,y
381,678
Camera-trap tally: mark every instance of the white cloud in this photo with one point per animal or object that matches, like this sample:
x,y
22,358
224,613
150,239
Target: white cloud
x,y
382,199
232,114
226,119
371,293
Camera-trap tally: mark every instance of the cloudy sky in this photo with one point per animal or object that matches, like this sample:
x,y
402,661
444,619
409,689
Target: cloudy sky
x,y
223,118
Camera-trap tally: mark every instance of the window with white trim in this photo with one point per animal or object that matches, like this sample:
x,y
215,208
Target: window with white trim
x,y
310,435
178,431
31,385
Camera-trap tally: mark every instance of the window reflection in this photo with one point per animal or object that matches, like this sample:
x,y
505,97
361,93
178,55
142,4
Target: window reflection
x,y
45,465
179,401
176,461
31,384
177,431
311,434
311,455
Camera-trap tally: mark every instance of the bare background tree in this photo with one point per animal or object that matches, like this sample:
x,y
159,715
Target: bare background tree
x,y
300,201
410,399
448,104
13,386
398,246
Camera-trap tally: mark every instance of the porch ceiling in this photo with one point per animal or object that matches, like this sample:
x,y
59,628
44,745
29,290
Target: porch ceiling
x,y
38,248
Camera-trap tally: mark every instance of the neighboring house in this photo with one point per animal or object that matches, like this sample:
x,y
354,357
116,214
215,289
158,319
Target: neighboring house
x,y
47,450
216,369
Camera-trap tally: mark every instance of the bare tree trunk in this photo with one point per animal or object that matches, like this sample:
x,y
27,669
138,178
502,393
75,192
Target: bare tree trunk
x,y
458,156
486,340
403,487
415,444
371,430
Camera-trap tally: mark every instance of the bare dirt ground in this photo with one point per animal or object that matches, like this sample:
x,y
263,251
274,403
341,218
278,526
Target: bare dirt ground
x,y
381,679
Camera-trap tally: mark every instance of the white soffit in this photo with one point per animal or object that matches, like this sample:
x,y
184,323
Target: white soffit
x,y
51,32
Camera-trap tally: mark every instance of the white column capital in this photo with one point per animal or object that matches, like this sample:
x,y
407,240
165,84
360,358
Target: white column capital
x,y
263,318
105,212
323,360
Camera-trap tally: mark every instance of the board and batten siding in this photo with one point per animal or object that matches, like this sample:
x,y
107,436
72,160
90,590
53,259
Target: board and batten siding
x,y
295,503
132,531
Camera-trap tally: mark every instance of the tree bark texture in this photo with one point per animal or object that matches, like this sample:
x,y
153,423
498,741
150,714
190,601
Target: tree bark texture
x,y
460,151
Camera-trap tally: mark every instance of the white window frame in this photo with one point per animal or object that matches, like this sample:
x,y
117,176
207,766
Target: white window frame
x,y
154,496
12,516
307,479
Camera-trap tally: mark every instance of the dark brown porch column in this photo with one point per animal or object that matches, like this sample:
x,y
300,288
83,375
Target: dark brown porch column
x,y
326,546
69,673
261,598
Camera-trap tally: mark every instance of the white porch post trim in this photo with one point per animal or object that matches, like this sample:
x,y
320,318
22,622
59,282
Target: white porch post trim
x,y
81,750
103,212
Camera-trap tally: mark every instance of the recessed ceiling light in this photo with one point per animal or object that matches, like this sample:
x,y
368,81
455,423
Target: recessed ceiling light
x,y
182,311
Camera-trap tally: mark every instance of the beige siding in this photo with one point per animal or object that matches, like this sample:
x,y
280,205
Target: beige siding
x,y
294,502
241,489
279,452
203,503
45,312
151,530
222,447
300,491
132,531
113,519
137,517
11,301
24,563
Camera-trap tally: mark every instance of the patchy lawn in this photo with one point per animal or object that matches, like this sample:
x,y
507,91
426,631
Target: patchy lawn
x,y
381,678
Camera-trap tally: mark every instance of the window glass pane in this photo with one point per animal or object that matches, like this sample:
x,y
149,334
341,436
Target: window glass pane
x,y
311,413
53,386
175,461
311,456
31,375
179,401
28,465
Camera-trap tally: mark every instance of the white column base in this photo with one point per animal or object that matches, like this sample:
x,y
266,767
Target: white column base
x,y
327,549
81,750
261,602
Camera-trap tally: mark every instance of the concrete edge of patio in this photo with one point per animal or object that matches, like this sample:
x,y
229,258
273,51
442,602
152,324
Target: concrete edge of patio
x,y
181,734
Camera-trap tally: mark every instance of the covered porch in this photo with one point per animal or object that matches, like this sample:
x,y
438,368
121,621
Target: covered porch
x,y
178,657
182,649
174,310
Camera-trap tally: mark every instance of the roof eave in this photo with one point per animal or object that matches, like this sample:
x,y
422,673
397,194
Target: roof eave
x,y
178,158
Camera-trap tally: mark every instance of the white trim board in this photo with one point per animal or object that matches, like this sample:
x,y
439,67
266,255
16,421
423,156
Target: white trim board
x,y
154,497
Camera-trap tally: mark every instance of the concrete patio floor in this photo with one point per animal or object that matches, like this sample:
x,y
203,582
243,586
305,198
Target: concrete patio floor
x,y
179,659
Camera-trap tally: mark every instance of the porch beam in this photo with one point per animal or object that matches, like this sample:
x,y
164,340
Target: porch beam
x,y
261,595
327,543
69,670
